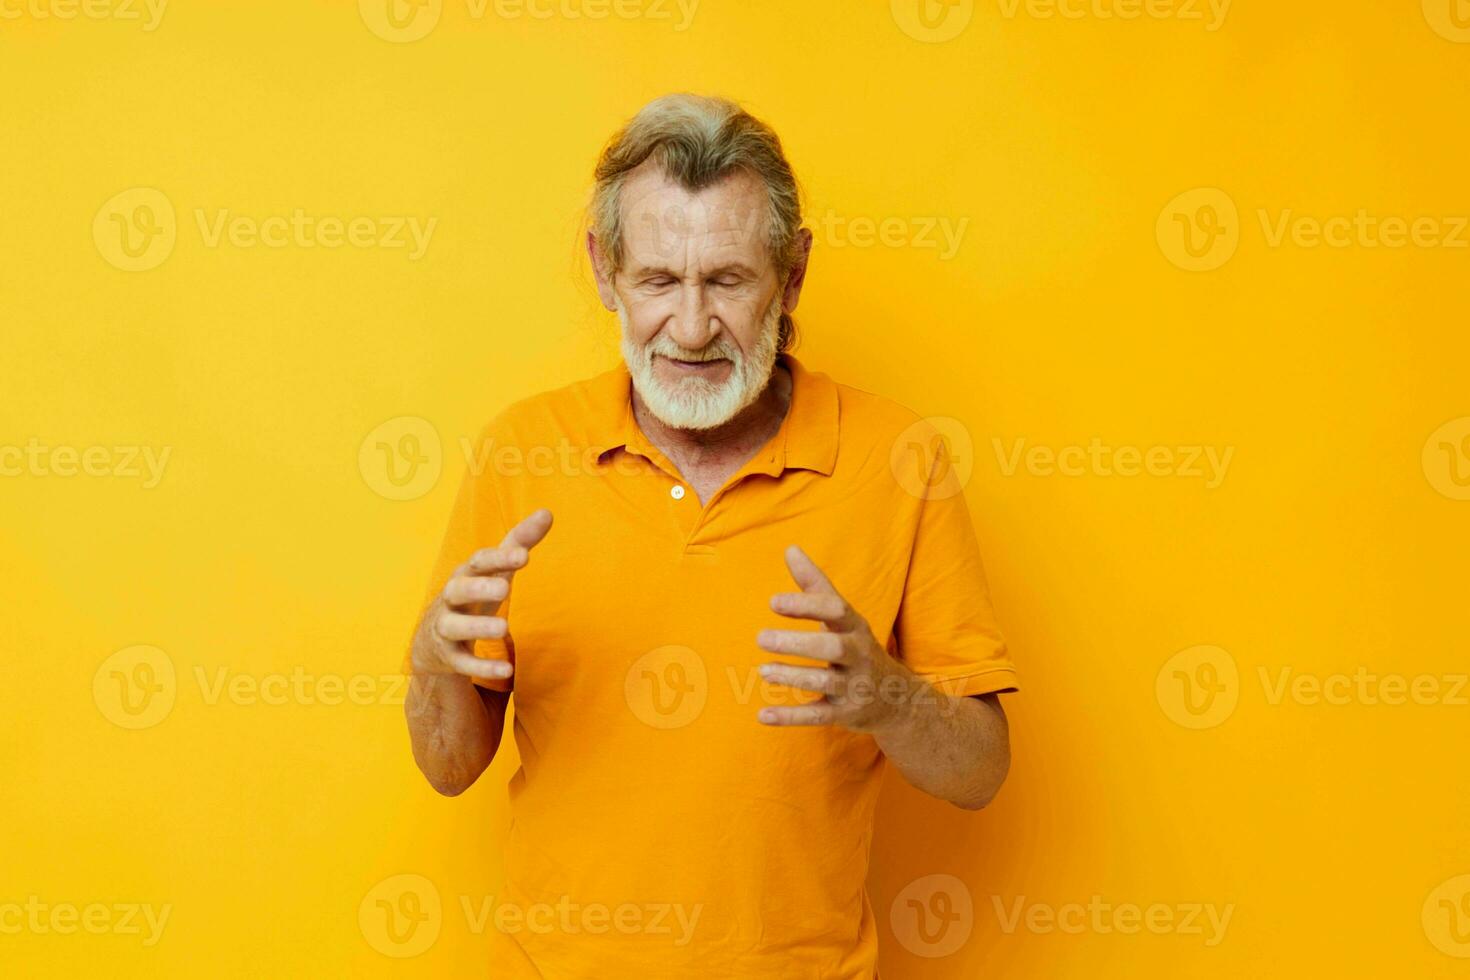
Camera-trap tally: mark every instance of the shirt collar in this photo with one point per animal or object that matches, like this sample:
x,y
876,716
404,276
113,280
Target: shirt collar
x,y
807,438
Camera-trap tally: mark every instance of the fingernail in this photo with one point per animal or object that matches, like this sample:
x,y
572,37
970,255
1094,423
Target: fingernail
x,y
767,715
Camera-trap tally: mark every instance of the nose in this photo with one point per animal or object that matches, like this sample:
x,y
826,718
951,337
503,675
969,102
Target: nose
x,y
692,327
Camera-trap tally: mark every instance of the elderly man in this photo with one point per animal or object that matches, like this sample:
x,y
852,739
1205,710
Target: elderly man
x,y
759,585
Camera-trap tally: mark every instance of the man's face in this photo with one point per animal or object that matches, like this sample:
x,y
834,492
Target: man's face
x,y
698,296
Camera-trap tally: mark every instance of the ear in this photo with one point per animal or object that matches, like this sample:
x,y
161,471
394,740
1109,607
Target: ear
x,y
604,281
797,277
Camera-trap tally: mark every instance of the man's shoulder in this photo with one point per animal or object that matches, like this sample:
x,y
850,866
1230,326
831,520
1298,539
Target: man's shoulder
x,y
867,413
883,438
913,455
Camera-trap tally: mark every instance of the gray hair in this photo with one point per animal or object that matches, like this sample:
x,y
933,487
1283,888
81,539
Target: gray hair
x,y
698,140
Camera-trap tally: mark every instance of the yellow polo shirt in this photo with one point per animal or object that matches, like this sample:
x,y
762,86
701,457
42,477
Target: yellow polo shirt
x,y
659,830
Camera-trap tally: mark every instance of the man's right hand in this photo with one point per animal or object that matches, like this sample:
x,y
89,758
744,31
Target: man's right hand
x,y
465,610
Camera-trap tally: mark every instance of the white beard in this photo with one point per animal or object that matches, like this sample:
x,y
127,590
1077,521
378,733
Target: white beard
x,y
697,403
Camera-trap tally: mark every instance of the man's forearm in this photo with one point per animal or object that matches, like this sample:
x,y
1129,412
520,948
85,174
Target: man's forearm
x,y
957,749
455,728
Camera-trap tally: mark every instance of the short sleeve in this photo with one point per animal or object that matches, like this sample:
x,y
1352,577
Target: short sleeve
x,y
475,522
946,629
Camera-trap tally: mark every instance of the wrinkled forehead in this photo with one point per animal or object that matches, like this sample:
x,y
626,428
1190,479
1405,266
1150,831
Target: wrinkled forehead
x,y
667,225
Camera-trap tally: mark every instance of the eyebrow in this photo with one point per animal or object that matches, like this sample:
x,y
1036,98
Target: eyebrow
x,y
740,268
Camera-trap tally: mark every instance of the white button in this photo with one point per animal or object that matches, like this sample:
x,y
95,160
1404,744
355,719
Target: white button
x,y
677,492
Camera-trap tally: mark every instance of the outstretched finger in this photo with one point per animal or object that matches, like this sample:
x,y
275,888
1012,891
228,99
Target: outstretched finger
x,y
514,549
529,532
819,598
806,573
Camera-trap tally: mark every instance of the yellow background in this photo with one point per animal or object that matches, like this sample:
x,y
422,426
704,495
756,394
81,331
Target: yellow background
x,y
1063,316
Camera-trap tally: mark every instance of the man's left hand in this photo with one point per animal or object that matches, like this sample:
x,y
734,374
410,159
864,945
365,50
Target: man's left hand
x,y
862,687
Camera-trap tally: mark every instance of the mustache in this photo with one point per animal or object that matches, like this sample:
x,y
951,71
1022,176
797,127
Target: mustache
x,y
715,352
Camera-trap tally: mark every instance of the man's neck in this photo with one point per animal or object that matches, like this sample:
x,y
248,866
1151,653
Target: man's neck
x,y
735,441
